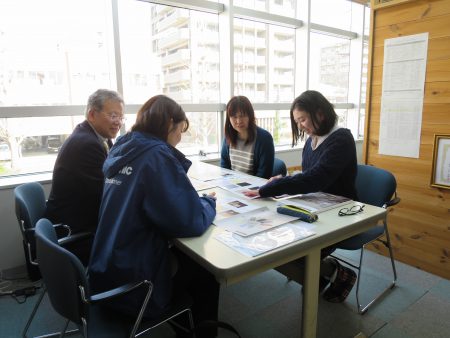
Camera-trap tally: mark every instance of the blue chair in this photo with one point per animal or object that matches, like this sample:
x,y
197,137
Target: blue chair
x,y
377,187
30,205
70,294
279,168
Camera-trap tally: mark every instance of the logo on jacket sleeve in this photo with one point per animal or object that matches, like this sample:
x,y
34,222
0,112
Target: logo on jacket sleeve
x,y
127,170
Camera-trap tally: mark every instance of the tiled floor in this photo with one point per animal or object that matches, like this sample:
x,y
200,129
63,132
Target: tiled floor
x,y
267,306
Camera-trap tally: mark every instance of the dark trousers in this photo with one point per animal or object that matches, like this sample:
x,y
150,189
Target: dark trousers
x,y
295,270
202,286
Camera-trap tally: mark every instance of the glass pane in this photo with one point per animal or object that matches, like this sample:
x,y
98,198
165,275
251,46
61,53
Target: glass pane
x,y
367,20
278,123
201,135
280,7
54,52
168,50
31,144
333,13
342,117
363,89
329,68
264,61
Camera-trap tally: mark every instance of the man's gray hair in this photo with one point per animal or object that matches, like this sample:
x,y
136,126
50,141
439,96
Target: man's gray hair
x,y
97,100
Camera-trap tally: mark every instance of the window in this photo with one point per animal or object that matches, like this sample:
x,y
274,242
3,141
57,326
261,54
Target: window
x,y
276,122
54,54
168,50
329,66
48,57
264,61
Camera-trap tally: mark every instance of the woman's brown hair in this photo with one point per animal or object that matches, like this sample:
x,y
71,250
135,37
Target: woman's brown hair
x,y
155,115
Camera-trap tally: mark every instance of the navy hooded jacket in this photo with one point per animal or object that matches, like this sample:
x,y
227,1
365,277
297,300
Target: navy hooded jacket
x,y
147,200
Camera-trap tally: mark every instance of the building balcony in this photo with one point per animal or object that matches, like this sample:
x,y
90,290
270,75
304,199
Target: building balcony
x,y
181,56
174,38
178,77
181,96
176,18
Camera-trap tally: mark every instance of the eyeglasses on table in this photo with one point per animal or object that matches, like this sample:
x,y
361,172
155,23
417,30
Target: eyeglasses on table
x,y
356,209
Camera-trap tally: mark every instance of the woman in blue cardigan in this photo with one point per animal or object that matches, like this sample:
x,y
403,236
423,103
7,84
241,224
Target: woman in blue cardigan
x,y
328,164
246,147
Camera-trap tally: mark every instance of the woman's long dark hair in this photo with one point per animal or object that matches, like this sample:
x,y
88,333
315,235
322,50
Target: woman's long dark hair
x,y
313,103
239,104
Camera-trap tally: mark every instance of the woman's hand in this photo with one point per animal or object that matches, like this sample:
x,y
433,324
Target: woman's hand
x,y
274,178
211,195
251,193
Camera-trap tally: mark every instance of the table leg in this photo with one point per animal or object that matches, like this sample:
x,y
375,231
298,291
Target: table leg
x,y
310,294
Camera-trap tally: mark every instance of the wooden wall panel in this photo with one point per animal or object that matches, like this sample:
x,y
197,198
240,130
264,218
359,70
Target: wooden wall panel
x,y
420,224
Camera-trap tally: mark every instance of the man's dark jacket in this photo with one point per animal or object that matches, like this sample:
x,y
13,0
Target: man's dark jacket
x,y
77,184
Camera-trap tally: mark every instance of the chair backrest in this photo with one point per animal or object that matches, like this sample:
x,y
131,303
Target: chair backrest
x,y
30,204
279,167
374,185
62,272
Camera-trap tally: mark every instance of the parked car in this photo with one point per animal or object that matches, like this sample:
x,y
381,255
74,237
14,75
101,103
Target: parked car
x,y
5,152
53,144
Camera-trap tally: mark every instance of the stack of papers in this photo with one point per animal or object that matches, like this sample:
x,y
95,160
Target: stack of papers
x,y
252,222
268,240
317,202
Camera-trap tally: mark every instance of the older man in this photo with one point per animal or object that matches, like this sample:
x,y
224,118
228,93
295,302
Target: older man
x,y
77,176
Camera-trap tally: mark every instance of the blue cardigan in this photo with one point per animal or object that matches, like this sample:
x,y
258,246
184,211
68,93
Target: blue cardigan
x,y
147,200
330,168
263,154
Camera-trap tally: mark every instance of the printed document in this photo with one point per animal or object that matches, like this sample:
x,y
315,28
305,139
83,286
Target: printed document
x,y
268,240
252,222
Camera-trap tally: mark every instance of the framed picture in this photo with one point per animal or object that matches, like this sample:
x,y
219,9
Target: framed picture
x,y
440,176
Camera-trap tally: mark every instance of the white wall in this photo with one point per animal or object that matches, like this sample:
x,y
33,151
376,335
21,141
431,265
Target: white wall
x,y
11,251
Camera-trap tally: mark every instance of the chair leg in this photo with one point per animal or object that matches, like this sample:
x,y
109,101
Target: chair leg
x,y
33,313
191,322
63,331
362,309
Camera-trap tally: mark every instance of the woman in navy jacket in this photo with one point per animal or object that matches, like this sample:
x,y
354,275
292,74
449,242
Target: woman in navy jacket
x,y
328,164
147,201
246,147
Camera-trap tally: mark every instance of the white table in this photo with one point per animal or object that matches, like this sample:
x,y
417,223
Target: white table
x,y
230,266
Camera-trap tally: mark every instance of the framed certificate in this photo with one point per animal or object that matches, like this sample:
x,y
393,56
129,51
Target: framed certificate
x,y
440,176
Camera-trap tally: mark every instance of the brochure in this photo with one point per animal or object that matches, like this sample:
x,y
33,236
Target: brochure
x,y
210,173
200,185
231,206
239,184
252,222
317,202
268,240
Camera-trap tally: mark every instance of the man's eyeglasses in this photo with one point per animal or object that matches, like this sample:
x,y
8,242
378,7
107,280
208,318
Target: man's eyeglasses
x,y
356,209
116,117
